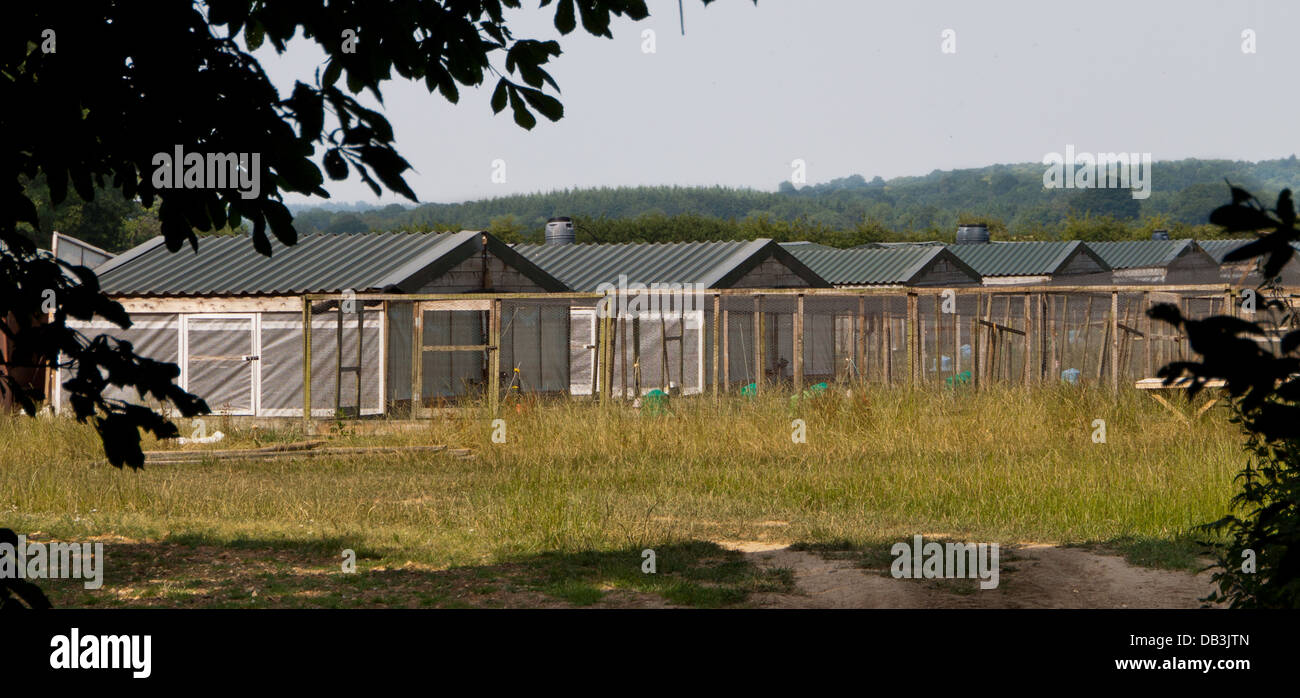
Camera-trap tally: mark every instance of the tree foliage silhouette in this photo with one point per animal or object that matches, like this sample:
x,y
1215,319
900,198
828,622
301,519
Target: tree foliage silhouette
x,y
1258,564
94,90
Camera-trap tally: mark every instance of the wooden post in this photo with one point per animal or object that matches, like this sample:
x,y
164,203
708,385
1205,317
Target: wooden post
x,y
1148,325
1041,327
997,358
862,339
1101,351
1179,343
1028,369
611,329
1011,352
1051,364
636,355
602,354
1087,335
798,344
938,338
1126,346
598,369
726,350
306,360
607,375
717,319
975,345
663,353
1114,341
494,356
920,345
681,352
623,356
877,355
887,353
758,343
913,348
1063,352
417,361
361,333
983,344
956,341
595,351
338,359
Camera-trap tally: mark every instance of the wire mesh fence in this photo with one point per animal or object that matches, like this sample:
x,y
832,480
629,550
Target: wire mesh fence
x,y
402,355
746,341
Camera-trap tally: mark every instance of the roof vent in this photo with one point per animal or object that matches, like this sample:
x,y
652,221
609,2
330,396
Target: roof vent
x,y
1160,235
559,231
972,233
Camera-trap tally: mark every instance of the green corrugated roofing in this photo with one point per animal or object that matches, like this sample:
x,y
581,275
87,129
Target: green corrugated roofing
x,y
1132,254
805,245
1029,258
873,266
584,267
1219,248
318,263
888,245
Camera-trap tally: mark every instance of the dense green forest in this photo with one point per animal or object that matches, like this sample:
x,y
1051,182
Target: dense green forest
x,y
1011,199
852,210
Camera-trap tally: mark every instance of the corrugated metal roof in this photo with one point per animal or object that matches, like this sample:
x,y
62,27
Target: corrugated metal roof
x,y
584,267
805,245
1132,254
318,263
1219,248
888,245
871,266
1027,258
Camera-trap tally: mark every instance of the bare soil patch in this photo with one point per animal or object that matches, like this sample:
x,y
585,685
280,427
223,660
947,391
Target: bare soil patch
x,y
1036,576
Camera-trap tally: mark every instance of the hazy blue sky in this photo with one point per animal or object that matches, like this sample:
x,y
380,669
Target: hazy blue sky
x,y
858,86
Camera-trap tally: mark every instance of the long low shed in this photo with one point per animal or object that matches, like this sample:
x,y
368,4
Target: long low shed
x,y
232,320
404,322
666,351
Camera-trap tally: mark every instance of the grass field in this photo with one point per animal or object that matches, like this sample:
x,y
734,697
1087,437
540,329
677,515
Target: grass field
x,y
561,511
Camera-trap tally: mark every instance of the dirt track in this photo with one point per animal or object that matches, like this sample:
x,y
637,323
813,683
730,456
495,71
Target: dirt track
x,y
1039,576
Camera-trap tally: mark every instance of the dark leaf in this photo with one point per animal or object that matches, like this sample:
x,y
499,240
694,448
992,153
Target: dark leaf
x,y
335,166
1286,208
499,96
332,72
549,106
523,117
1236,218
564,18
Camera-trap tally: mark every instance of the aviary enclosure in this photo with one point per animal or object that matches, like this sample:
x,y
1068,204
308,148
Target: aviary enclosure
x,y
474,346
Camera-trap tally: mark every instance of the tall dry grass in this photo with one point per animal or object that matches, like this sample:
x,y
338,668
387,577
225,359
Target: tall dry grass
x,y
1001,464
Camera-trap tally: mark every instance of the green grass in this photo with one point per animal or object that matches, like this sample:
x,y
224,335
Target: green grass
x,y
1000,464
689,574
1183,552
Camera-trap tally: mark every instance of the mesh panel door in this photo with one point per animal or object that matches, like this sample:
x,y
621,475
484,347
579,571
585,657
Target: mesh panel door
x,y
221,362
447,374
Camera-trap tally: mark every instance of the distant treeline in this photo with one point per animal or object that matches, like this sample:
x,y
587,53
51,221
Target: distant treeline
x,y
852,210
1010,199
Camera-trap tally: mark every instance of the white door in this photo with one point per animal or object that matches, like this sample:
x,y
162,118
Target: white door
x,y
220,361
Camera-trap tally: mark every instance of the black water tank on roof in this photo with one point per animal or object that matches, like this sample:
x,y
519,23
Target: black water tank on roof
x,y
972,233
559,231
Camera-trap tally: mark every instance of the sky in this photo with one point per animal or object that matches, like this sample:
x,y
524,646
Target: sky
x,y
854,87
